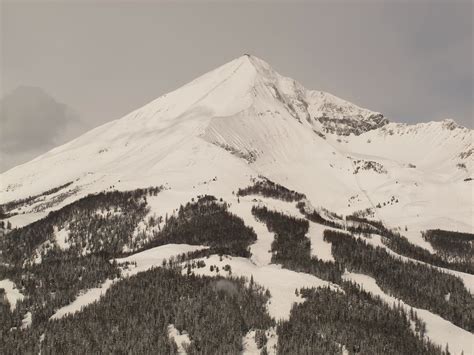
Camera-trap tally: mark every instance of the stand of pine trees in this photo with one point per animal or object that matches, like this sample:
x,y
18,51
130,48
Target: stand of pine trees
x,y
355,319
455,251
408,281
268,188
61,274
292,248
207,222
315,217
134,315
452,245
48,286
100,223
417,284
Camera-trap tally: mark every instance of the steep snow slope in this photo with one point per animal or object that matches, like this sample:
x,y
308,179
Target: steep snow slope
x,y
334,115
244,119
242,107
428,167
438,146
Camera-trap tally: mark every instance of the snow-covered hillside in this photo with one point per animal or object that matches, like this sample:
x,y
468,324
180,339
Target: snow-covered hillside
x,y
244,119
238,124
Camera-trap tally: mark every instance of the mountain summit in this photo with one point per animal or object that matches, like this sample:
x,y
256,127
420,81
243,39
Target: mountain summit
x,y
242,173
244,119
250,82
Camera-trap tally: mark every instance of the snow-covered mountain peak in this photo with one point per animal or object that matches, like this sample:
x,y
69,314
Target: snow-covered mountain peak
x,y
264,179
341,117
446,126
250,84
326,104
325,112
261,66
240,119
451,124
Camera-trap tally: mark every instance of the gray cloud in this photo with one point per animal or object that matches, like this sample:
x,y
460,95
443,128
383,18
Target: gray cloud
x,y
32,122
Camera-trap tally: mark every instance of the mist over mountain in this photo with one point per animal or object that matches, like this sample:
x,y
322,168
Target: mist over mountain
x,y
33,122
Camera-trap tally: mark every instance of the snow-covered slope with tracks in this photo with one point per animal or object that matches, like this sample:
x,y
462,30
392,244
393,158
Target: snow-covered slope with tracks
x,y
244,119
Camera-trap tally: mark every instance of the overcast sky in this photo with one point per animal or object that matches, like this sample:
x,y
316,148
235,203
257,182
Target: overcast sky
x,y
69,66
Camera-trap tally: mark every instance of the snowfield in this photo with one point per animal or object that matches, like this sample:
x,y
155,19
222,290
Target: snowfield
x,y
245,119
261,249
87,297
249,344
181,338
154,257
12,293
281,283
320,248
61,236
250,347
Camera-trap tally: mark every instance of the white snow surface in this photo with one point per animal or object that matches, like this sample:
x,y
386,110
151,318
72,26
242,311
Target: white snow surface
x,y
250,346
27,320
61,236
281,283
154,257
84,299
180,338
244,119
12,293
319,248
261,249
438,330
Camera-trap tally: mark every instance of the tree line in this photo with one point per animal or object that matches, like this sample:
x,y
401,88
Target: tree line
x,y
292,248
134,315
458,255
316,217
354,319
207,221
268,188
452,245
97,223
9,206
417,284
